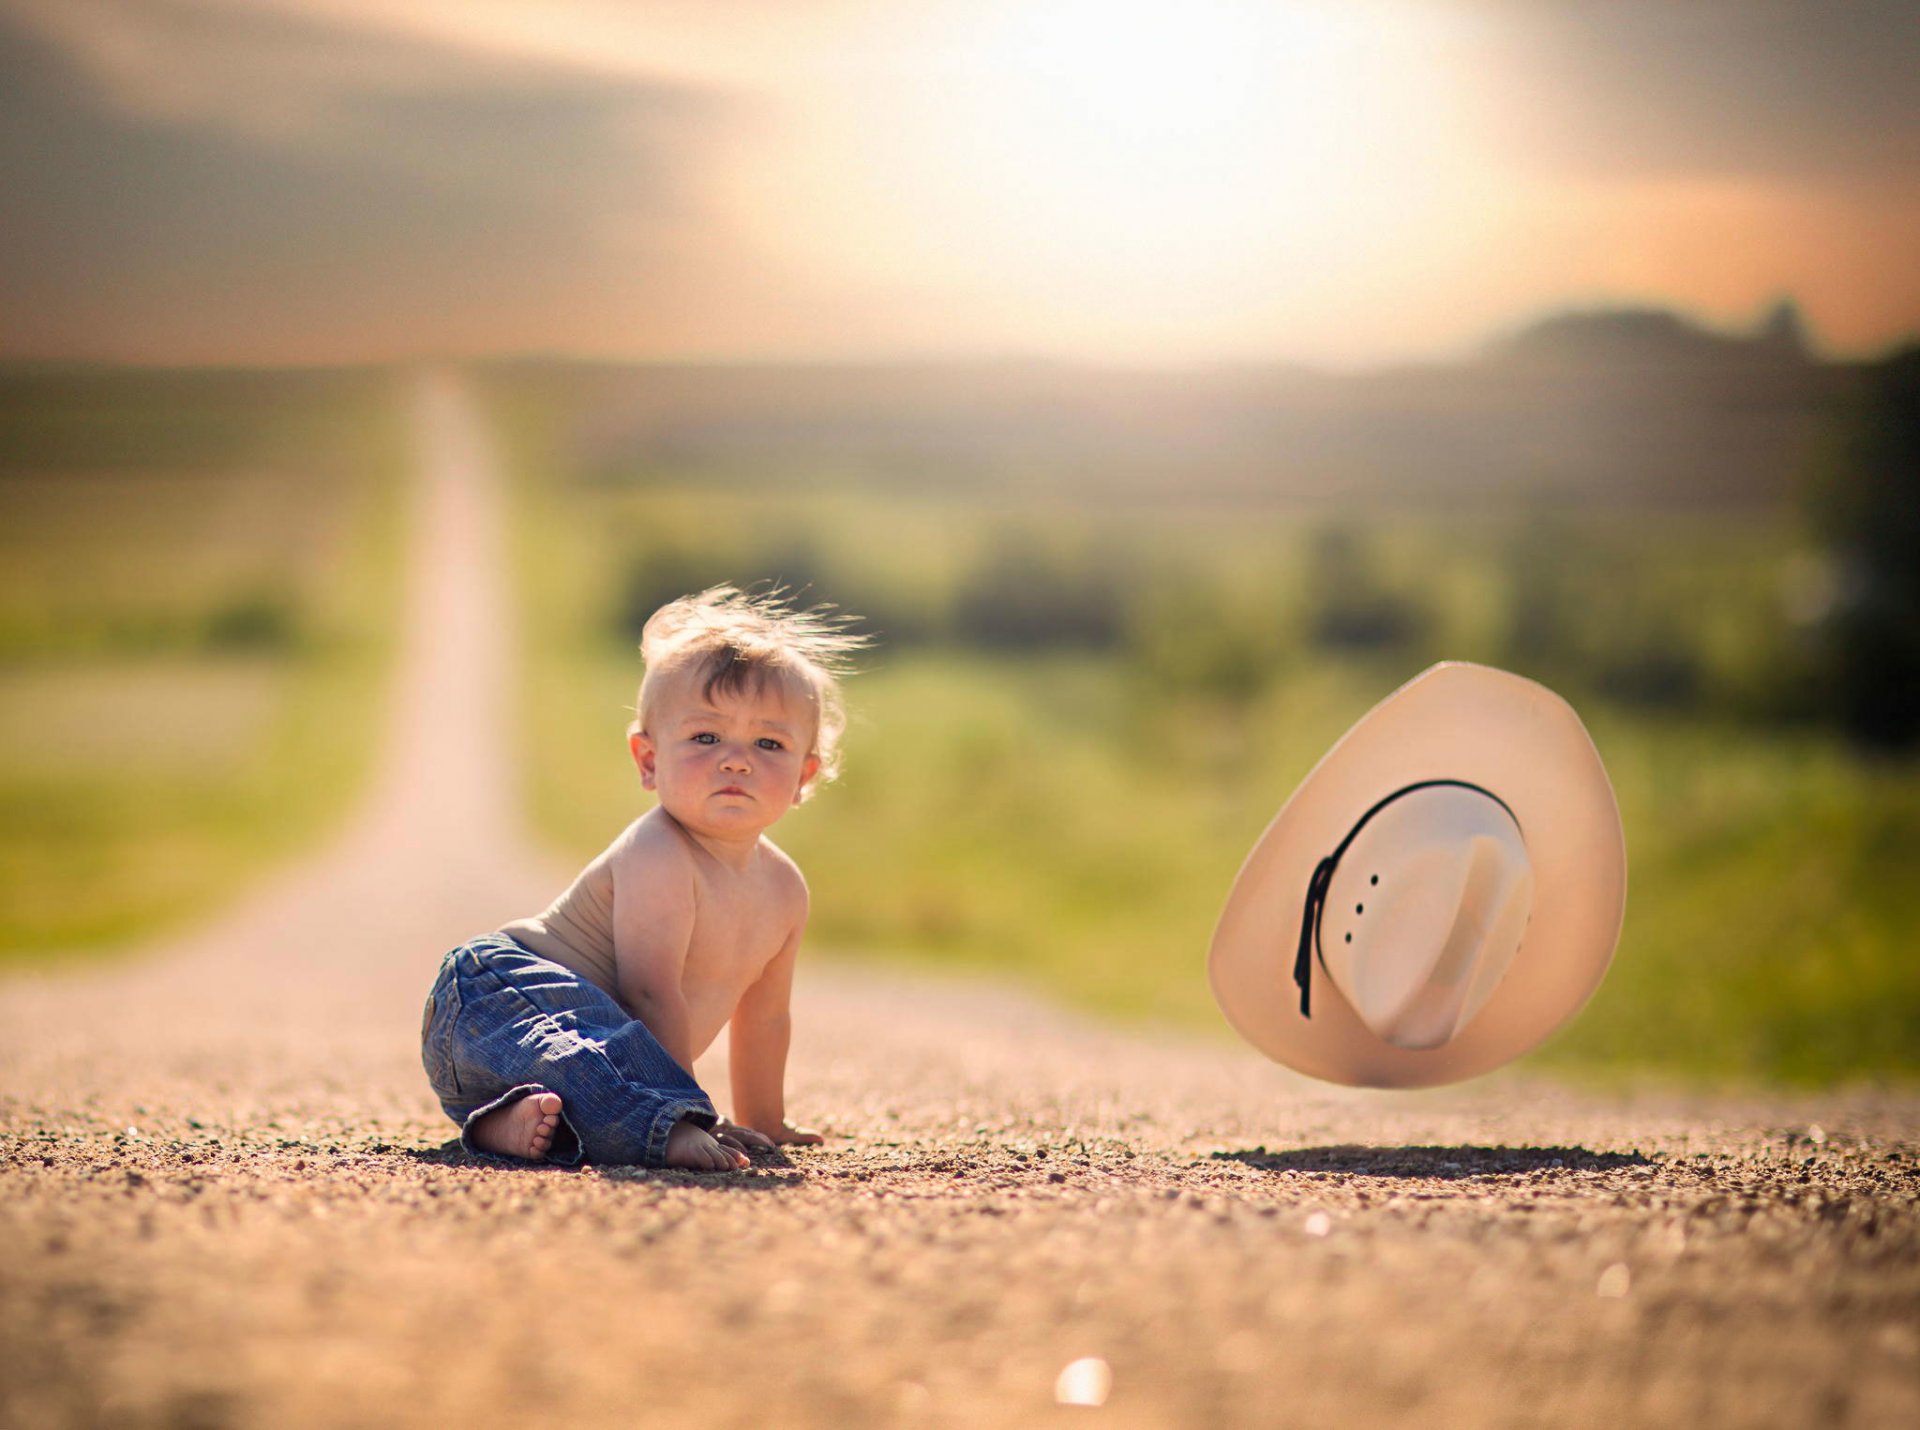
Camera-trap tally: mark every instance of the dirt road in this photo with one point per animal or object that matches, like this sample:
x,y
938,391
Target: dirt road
x,y
227,1198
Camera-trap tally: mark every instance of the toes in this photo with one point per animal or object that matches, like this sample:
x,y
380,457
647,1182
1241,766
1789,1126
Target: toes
x,y
547,1106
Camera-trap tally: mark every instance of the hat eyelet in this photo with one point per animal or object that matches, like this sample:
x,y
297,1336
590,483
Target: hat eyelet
x,y
1374,880
1359,908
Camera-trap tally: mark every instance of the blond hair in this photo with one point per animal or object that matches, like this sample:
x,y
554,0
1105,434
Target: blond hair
x,y
735,642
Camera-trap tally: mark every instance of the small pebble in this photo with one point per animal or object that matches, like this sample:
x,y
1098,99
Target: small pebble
x,y
1615,1281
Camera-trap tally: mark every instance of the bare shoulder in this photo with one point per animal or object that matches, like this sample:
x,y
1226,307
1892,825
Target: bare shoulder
x,y
785,880
651,858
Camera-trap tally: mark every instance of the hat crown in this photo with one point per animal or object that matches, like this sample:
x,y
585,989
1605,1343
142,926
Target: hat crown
x,y
1454,724
1425,911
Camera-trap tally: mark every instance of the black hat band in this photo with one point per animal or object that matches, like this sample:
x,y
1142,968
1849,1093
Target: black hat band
x,y
1322,878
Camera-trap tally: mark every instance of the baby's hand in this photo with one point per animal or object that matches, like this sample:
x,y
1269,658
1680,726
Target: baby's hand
x,y
745,1139
795,1136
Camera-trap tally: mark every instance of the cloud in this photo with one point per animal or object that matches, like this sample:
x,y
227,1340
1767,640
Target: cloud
x,y
238,180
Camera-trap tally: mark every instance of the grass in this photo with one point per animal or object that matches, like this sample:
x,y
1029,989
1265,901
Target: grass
x,y
1075,819
198,570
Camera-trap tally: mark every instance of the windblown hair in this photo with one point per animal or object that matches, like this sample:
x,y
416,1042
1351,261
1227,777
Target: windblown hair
x,y
737,642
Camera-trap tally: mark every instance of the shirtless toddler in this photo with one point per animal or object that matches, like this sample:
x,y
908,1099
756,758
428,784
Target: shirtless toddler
x,y
571,1035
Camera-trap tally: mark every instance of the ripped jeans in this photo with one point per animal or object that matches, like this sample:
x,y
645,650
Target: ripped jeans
x,y
502,1023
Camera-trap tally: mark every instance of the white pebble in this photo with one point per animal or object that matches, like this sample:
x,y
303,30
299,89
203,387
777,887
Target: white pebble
x,y
1084,1382
1319,1224
1817,1135
1614,1281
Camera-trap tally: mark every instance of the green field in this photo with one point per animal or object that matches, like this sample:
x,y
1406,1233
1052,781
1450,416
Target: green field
x,y
1070,808
196,575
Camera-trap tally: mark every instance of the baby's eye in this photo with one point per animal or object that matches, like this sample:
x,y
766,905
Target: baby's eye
x,y
767,742
705,737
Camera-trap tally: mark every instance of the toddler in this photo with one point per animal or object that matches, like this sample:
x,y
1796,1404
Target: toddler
x,y
570,1036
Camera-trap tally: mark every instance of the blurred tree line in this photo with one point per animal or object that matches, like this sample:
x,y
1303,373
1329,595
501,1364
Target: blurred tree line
x,y
1812,619
1865,504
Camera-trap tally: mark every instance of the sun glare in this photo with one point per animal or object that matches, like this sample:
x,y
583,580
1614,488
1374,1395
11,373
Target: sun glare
x,y
1140,168
1139,135
1150,88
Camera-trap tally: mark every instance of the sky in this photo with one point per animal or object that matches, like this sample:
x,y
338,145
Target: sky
x,y
1133,182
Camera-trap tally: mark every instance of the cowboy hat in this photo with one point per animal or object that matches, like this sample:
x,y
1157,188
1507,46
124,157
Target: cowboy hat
x,y
1442,891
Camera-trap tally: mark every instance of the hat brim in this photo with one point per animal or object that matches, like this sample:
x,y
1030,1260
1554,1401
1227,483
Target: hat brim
x,y
1457,721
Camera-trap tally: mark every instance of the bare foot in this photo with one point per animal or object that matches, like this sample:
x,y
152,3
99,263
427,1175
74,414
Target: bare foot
x,y
520,1129
694,1150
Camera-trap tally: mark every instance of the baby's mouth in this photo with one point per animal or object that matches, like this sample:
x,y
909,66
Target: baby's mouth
x,y
732,789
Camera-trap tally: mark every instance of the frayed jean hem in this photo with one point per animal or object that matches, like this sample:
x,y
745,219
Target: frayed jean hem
x,y
700,1113
566,1150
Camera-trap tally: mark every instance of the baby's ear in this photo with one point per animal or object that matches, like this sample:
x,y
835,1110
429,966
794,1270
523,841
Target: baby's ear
x,y
807,771
640,746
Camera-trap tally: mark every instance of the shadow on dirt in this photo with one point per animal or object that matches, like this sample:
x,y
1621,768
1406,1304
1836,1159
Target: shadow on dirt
x,y
1442,1163
770,1172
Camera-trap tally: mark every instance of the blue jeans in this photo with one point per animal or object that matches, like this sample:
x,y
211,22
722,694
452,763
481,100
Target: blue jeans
x,y
502,1023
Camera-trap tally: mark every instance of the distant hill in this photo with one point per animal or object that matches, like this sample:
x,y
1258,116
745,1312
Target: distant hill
x,y
1621,407
1654,336
1634,407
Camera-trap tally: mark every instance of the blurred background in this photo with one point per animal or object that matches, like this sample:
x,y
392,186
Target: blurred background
x,y
1162,383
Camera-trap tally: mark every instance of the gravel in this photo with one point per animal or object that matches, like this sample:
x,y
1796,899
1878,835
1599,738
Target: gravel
x,y
246,1232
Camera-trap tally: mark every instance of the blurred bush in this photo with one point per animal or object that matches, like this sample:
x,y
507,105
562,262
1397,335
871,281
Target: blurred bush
x,y
1682,616
1189,637
1864,502
1027,592
264,619
1350,608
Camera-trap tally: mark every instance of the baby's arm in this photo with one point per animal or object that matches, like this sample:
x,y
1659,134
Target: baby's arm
x,y
653,910
757,1049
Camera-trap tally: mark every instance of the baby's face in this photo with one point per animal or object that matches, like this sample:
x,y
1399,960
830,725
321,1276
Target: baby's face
x,y
729,765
